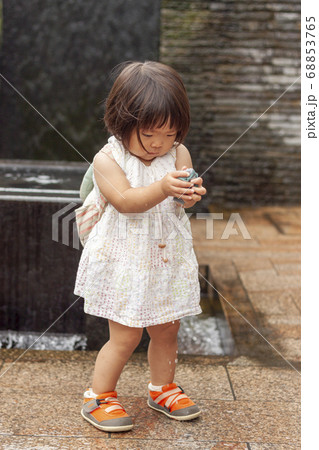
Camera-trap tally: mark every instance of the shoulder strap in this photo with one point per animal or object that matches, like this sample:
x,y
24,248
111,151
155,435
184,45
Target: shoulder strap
x,y
87,183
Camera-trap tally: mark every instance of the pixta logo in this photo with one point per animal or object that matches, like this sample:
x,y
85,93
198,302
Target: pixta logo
x,y
64,228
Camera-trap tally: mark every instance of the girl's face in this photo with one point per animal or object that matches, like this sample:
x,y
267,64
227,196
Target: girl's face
x,y
156,142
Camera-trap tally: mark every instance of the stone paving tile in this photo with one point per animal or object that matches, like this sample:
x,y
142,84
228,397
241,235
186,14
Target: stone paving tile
x,y
52,443
289,268
161,444
265,384
251,361
259,231
296,295
238,421
274,302
12,354
281,245
262,280
274,253
134,381
48,376
288,222
224,272
41,414
204,382
80,443
290,348
254,446
235,421
265,355
278,326
252,263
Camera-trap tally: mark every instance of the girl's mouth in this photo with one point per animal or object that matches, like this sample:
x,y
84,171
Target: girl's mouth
x,y
151,153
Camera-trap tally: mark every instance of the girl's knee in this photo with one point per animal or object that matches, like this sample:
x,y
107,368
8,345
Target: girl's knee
x,y
166,332
125,338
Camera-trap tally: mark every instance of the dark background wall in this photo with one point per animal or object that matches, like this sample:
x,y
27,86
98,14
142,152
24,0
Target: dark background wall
x,y
237,58
59,55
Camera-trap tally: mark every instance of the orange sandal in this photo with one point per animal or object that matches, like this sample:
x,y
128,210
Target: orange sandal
x,y
173,403
105,412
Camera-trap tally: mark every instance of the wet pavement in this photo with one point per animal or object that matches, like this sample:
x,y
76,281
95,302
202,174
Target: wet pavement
x,y
249,399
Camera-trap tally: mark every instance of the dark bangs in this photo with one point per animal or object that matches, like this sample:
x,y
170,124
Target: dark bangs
x,y
147,96
159,107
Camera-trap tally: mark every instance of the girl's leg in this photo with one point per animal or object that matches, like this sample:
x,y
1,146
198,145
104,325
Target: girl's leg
x,y
162,352
114,355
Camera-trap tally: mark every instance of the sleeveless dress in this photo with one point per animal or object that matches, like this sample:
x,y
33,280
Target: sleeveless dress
x,y
140,269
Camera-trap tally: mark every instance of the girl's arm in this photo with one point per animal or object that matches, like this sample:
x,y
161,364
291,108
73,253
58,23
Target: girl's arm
x,y
116,188
184,161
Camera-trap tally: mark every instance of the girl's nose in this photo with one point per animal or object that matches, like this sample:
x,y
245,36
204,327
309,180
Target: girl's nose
x,y
157,144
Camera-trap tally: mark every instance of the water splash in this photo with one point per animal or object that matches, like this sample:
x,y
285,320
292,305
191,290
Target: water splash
x,y
49,341
200,335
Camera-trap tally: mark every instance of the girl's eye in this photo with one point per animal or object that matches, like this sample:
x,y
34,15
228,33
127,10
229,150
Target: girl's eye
x,y
147,135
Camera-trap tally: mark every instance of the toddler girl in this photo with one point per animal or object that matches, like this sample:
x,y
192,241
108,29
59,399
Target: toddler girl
x,y
138,268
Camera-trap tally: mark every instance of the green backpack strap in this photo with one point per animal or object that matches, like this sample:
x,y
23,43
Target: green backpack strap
x,y
87,183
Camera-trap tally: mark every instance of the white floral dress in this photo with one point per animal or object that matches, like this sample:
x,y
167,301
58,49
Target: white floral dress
x,y
140,269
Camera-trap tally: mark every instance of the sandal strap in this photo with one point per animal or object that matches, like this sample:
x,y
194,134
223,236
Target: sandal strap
x,y
90,406
94,404
172,396
114,404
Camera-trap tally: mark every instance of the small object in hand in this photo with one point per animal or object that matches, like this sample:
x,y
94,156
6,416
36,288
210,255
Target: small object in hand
x,y
191,174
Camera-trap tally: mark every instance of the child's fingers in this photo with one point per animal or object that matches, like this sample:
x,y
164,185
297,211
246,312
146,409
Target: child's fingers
x,y
198,181
180,173
186,198
200,190
196,197
183,191
182,184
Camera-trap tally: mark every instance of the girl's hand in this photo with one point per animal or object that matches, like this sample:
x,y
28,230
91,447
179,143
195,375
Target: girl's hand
x,y
172,186
198,192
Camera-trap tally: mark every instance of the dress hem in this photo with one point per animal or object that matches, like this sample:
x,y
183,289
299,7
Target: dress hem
x,y
158,321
